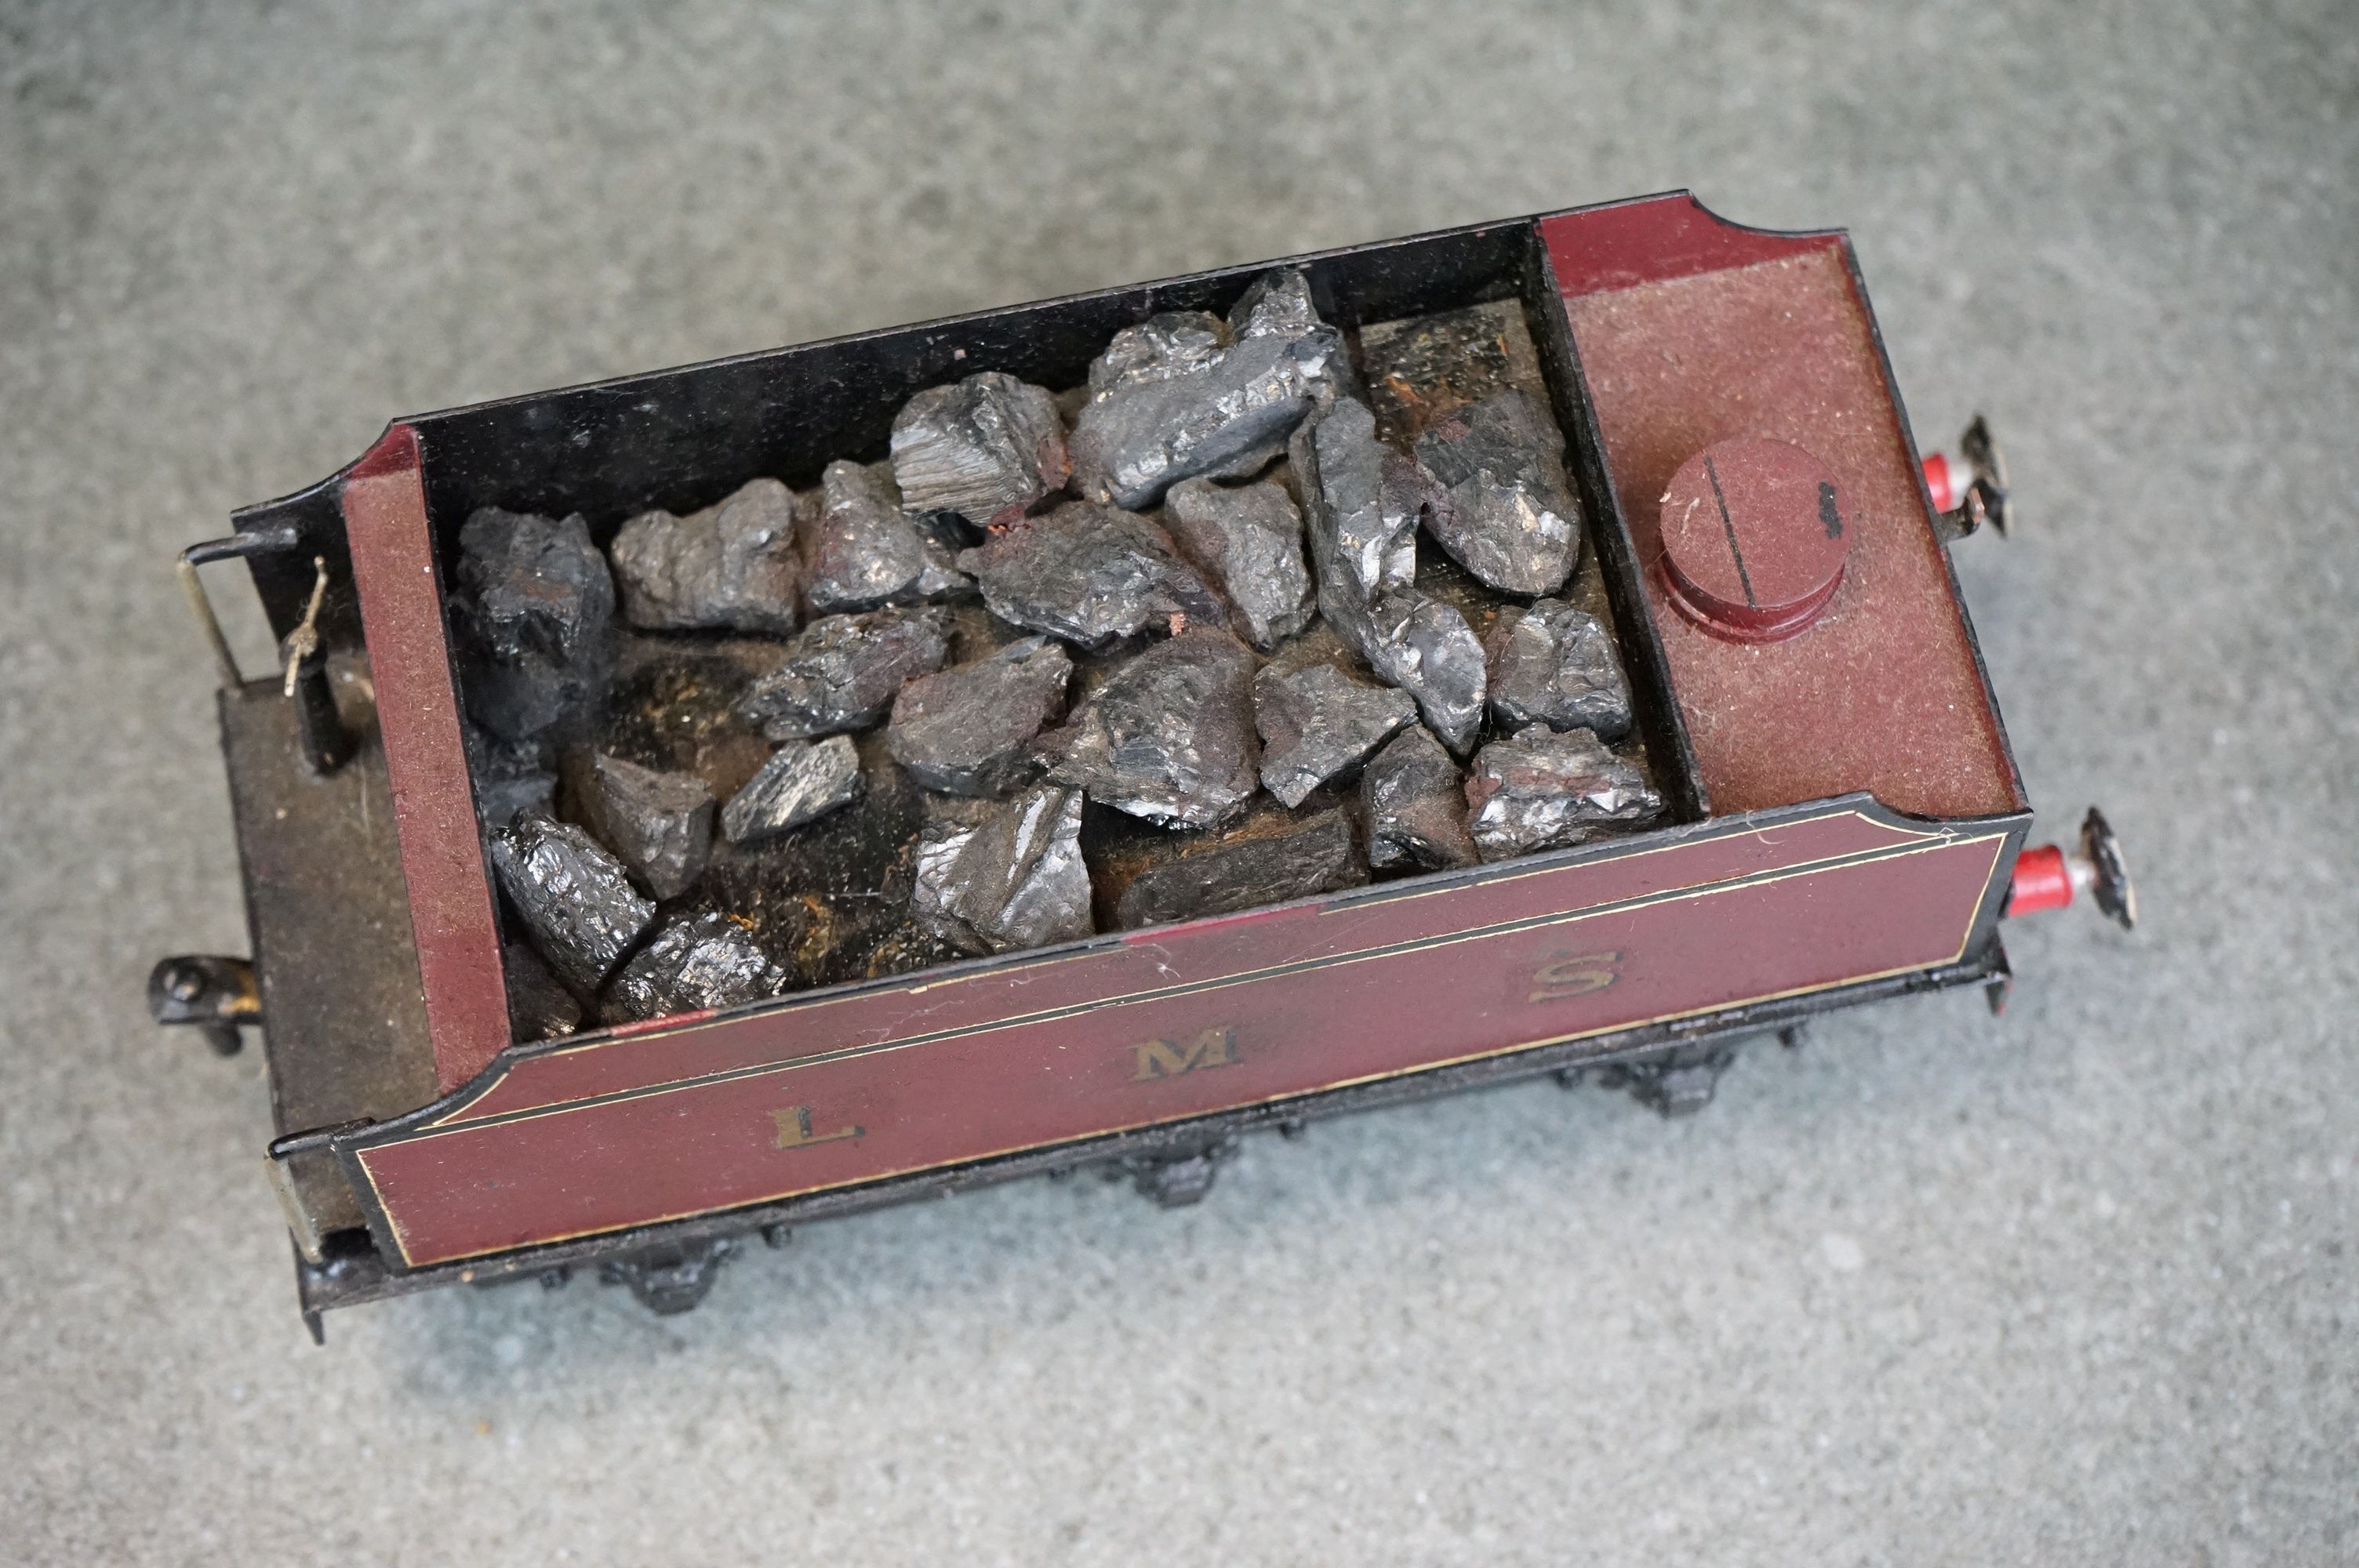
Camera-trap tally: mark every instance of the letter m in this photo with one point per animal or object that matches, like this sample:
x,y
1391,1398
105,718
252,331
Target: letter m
x,y
1170,1058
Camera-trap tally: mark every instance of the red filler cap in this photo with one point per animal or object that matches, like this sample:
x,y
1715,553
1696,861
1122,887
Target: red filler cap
x,y
1754,538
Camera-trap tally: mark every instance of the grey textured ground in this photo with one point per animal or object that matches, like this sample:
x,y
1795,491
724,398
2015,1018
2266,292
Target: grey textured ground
x,y
2072,1287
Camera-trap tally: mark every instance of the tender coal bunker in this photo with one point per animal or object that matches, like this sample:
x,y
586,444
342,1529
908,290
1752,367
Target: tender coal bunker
x,y
1266,606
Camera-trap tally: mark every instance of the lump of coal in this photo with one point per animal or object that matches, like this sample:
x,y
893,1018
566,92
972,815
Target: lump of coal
x,y
1315,722
731,566
1170,737
1424,646
1173,343
843,673
1277,305
1556,665
1421,368
1542,790
535,609
657,824
863,550
1012,878
1246,539
1271,862
1511,518
1365,501
803,779
1416,804
969,730
1222,414
1089,574
538,1007
1362,508
694,962
510,776
988,448
572,896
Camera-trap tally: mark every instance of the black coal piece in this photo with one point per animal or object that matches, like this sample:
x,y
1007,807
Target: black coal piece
x,y
1171,735
574,898
843,673
694,962
1317,721
534,608
1006,878
988,448
803,780
1274,857
1362,505
969,729
1557,665
658,824
1415,799
1173,343
1247,540
1091,575
863,550
1512,519
734,566
1543,789
1160,414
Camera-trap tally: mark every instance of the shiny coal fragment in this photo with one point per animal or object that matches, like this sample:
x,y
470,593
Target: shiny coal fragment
x,y
534,607
1276,858
1277,303
1424,647
863,550
988,448
693,963
539,1007
1422,368
1415,799
733,567
1316,721
1511,519
841,672
573,897
1225,415
657,824
1089,574
1362,508
510,776
1161,347
1557,665
803,781
1365,502
1170,737
1248,541
1012,877
1543,789
969,730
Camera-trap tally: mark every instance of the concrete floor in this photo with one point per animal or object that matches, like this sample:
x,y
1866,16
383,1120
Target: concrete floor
x,y
2075,1286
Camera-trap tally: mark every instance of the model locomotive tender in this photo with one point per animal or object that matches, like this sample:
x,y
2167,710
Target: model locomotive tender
x,y
1081,733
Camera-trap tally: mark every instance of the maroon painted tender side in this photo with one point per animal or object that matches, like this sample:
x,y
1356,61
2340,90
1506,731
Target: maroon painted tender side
x,y
1685,332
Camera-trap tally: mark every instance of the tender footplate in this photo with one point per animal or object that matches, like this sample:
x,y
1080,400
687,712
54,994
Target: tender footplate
x,y
344,1021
